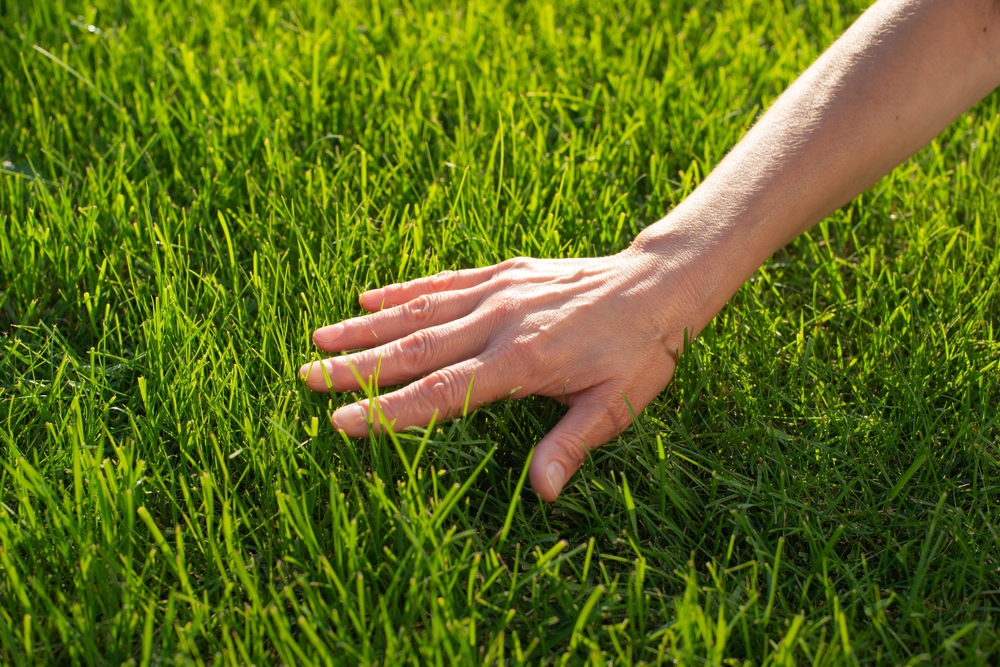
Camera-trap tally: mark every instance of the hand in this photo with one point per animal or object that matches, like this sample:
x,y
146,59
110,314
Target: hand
x,y
589,333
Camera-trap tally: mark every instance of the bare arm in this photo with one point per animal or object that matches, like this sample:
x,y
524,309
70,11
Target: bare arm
x,y
595,332
890,84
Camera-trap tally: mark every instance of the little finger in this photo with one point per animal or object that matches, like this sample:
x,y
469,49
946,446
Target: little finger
x,y
445,394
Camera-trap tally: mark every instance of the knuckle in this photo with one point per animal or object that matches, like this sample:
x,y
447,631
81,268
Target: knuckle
x,y
513,264
443,280
617,414
415,349
441,393
503,305
502,282
573,449
622,419
524,347
418,312
442,390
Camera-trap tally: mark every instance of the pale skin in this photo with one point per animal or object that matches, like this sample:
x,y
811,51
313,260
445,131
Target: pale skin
x,y
602,335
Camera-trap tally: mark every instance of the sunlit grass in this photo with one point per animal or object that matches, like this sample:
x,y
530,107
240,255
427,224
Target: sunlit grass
x,y
189,188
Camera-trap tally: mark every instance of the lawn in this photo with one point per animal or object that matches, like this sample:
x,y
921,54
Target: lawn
x,y
190,187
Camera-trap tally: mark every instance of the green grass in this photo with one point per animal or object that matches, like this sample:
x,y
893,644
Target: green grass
x,y
190,187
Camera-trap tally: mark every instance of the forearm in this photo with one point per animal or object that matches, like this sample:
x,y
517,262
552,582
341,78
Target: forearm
x,y
889,85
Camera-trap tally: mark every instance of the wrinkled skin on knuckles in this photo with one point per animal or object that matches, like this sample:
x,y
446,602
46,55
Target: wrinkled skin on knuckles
x,y
597,334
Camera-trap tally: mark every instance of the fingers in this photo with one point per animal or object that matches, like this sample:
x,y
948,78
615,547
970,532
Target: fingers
x,y
443,393
595,418
391,324
403,360
394,295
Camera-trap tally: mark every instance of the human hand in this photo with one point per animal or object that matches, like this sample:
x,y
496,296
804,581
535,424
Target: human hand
x,y
590,333
595,332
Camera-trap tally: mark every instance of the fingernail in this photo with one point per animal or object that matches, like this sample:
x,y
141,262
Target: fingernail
x,y
375,296
349,418
328,335
556,476
315,369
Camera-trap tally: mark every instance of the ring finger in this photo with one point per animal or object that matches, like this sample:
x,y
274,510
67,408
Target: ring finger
x,y
403,360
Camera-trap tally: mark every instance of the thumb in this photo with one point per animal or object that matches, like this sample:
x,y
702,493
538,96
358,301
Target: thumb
x,y
592,420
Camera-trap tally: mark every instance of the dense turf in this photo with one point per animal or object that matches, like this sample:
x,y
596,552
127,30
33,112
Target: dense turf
x,y
190,187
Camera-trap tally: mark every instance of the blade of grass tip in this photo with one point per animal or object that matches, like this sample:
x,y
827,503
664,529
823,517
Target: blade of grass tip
x,y
229,241
473,571
368,387
411,468
788,642
149,144
449,501
636,422
554,551
581,620
395,442
914,467
468,395
586,561
515,500
154,530
423,441
830,543
28,644
662,462
84,80
952,641
845,639
774,581
629,505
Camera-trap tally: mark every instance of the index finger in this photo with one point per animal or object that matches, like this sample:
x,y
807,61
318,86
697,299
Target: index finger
x,y
398,294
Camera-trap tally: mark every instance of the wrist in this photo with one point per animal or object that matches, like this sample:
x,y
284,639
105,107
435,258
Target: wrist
x,y
703,256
